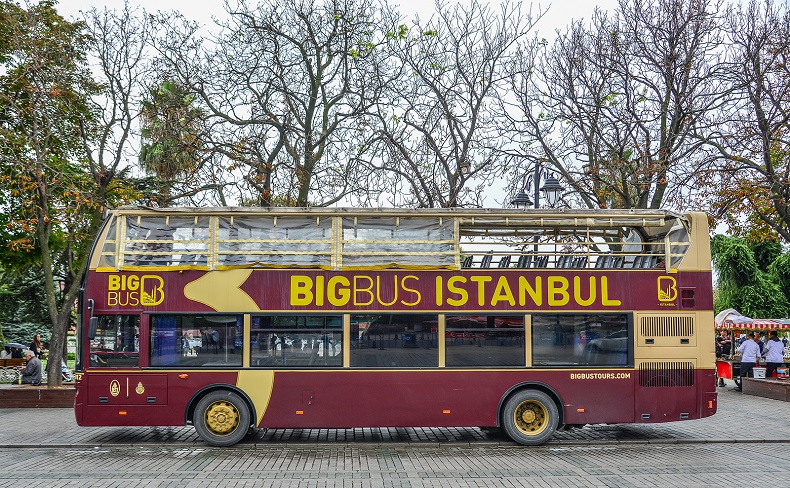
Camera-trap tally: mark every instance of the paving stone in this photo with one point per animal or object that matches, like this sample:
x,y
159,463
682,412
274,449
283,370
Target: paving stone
x,y
734,422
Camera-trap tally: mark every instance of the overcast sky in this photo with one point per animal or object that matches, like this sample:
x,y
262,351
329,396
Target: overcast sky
x,y
560,12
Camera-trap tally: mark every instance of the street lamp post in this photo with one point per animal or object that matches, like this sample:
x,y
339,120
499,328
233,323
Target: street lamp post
x,y
551,189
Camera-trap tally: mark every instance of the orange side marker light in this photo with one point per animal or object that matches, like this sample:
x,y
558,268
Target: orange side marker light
x,y
122,412
446,412
300,412
580,410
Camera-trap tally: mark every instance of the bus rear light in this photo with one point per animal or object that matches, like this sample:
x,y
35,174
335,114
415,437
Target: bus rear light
x,y
447,412
300,412
710,404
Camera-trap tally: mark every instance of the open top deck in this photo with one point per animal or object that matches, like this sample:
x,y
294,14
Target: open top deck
x,y
341,238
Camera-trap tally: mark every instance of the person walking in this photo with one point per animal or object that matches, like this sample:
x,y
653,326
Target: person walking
x,y
750,353
773,353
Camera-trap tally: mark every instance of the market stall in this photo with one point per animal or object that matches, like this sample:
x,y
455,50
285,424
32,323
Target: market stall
x,y
728,361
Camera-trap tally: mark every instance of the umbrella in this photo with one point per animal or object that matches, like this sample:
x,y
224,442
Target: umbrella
x,y
15,345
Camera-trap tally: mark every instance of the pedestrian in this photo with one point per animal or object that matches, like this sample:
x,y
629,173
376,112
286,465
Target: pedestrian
x,y
723,349
773,353
759,340
750,353
31,375
35,345
723,344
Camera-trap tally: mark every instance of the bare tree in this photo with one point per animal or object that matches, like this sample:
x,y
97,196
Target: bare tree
x,y
612,107
120,61
748,185
285,83
436,142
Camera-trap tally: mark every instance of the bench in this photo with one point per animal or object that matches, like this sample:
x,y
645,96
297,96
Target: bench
x,y
28,396
12,362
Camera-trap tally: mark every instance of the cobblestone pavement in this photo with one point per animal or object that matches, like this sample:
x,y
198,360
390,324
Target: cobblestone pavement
x,y
749,439
395,466
740,418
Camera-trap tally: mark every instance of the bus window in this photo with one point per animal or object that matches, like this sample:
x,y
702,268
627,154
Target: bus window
x,y
579,340
484,341
394,341
297,341
193,341
116,343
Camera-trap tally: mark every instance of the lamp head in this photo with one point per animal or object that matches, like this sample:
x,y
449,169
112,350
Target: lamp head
x,y
552,189
521,200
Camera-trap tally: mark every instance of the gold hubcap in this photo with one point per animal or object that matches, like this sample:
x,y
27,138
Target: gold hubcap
x,y
531,417
222,417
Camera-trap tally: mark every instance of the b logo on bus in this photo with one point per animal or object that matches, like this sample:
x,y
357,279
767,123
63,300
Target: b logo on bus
x,y
133,290
151,294
667,289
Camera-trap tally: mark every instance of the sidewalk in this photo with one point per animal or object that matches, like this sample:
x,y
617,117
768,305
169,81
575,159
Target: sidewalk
x,y
740,418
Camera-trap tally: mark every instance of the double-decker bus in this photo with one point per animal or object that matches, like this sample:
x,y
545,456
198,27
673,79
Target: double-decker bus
x,y
230,319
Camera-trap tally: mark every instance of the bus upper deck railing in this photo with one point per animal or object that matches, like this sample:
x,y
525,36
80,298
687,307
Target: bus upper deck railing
x,y
222,238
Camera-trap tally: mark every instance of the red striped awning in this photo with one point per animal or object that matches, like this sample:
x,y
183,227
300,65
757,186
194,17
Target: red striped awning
x,y
767,324
755,324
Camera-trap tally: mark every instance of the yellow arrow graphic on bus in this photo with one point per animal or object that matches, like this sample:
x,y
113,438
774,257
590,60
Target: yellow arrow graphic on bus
x,y
221,290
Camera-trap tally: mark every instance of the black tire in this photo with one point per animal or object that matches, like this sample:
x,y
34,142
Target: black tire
x,y
222,418
530,417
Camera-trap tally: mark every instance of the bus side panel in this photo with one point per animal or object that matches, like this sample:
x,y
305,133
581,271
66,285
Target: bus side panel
x,y
436,398
666,403
153,398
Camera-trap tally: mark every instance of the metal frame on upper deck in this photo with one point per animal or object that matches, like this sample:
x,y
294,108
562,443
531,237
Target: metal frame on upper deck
x,y
344,238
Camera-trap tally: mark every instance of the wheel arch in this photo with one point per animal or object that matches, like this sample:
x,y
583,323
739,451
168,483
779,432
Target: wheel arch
x,y
532,385
189,414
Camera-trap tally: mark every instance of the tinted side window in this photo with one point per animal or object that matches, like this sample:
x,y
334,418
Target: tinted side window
x,y
204,341
294,341
394,341
579,340
116,343
484,341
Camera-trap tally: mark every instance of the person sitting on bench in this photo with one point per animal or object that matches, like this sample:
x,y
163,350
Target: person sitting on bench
x,y
31,375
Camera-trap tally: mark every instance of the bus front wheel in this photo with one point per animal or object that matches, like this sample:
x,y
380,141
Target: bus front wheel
x,y
222,418
530,417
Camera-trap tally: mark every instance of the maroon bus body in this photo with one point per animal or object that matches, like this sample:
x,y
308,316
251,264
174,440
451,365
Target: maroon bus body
x,y
351,397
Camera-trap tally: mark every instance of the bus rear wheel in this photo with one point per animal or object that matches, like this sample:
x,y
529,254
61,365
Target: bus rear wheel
x,y
530,417
222,418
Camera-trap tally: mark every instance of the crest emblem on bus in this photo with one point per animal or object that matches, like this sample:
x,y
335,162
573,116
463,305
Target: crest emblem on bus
x,y
151,290
115,388
667,289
